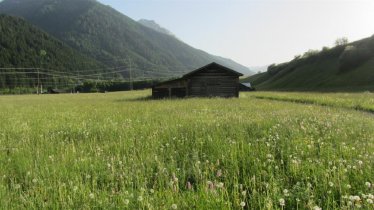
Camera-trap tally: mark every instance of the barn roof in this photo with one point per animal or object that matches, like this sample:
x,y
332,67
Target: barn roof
x,y
169,81
211,65
198,70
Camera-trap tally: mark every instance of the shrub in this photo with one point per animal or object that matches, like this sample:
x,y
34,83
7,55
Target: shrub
x,y
353,57
310,53
341,41
274,68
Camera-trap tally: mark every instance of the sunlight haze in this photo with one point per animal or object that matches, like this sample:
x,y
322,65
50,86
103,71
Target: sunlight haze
x,y
256,33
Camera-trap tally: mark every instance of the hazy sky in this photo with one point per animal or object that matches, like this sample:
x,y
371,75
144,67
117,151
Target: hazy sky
x,y
256,32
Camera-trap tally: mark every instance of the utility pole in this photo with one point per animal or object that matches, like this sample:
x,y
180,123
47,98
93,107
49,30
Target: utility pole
x,y
42,54
97,81
37,89
131,84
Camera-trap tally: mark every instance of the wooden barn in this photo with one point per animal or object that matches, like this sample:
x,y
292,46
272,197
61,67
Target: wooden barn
x,y
212,80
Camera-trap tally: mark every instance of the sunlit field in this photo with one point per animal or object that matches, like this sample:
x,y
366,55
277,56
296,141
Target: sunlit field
x,y
363,101
124,151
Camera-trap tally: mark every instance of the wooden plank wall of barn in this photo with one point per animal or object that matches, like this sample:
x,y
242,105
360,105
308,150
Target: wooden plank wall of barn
x,y
213,82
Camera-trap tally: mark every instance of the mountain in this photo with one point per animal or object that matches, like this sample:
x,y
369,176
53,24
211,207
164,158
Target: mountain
x,y
21,45
258,69
348,67
155,26
112,38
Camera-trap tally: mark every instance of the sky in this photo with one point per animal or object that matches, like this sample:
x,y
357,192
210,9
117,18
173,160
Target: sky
x,y
256,32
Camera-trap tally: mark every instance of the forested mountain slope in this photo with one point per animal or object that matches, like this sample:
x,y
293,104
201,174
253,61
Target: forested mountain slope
x,y
112,38
21,45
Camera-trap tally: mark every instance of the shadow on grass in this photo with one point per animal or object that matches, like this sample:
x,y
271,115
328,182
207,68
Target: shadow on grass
x,y
141,98
149,98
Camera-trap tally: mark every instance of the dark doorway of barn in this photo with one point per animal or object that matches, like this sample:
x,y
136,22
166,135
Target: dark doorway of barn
x,y
178,92
161,93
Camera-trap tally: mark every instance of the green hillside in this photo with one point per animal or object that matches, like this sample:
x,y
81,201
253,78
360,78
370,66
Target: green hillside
x,y
348,67
113,38
21,45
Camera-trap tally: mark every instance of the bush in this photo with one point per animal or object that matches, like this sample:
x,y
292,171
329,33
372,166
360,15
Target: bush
x,y
310,53
341,41
274,69
353,57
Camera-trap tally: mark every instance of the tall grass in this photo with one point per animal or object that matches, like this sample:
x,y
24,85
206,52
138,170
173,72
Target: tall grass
x,y
119,151
358,101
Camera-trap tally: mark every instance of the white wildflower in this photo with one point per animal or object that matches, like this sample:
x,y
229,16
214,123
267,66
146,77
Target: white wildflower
x,y
354,198
242,204
368,184
285,192
220,185
174,206
126,201
140,198
91,195
282,202
317,208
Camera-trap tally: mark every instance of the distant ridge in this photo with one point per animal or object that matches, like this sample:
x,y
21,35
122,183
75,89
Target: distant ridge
x,y
155,26
348,67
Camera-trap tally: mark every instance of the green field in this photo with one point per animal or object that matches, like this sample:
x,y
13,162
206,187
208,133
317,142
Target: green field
x,y
122,151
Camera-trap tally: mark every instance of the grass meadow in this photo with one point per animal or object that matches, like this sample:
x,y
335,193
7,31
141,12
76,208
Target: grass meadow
x,y
122,151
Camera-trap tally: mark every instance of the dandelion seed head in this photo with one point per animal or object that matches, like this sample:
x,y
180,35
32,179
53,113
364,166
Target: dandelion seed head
x,y
220,185
140,198
368,184
242,204
317,208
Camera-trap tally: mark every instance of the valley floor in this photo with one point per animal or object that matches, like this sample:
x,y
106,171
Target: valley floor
x,y
264,150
